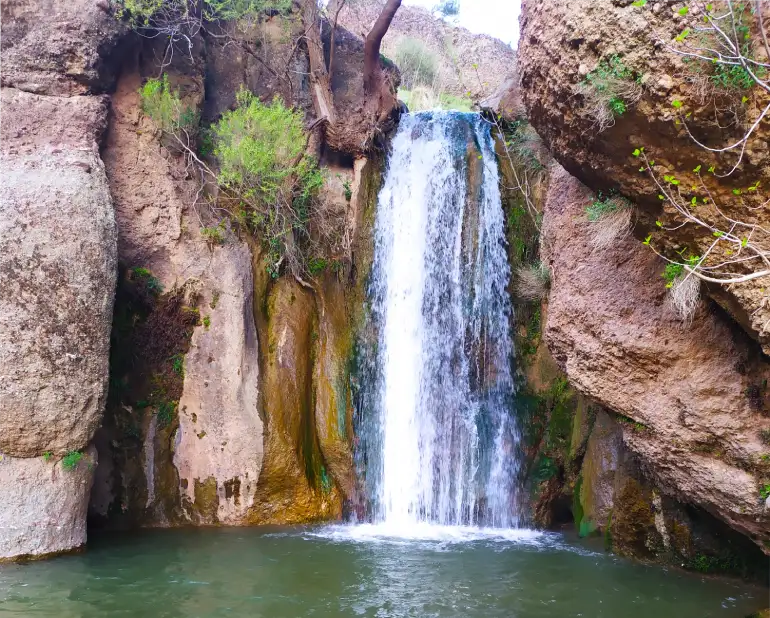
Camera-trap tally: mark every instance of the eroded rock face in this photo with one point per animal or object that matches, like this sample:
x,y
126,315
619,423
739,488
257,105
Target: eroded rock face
x,y
57,273
689,388
562,43
220,430
44,505
60,48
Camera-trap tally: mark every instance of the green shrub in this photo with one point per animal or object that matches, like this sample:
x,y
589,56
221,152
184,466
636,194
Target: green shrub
x,y
71,460
263,168
206,322
417,64
158,14
164,107
214,235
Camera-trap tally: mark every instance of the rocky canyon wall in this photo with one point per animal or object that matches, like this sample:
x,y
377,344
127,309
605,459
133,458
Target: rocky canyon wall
x,y
656,436
213,393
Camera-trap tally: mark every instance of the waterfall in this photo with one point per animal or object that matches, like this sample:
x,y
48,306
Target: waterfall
x,y
441,444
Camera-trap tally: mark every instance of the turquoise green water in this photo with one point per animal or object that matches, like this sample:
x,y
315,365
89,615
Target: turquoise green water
x,y
337,572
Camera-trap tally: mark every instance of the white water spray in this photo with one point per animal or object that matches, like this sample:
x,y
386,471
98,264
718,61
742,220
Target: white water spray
x,y
444,445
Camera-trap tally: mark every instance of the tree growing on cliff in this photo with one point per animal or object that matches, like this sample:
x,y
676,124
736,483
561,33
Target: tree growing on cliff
x,y
355,130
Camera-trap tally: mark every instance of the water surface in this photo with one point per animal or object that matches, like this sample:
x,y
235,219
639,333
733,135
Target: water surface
x,y
342,571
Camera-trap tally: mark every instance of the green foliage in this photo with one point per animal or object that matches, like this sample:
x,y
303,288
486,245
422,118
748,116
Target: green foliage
x,y
164,106
602,206
316,265
618,106
166,413
214,235
206,322
260,148
47,456
157,14
764,435
177,363
417,64
609,71
71,460
732,77
150,282
672,271
348,190
231,10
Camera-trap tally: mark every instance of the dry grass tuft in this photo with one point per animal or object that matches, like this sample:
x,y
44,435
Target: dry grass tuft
x,y
684,296
532,282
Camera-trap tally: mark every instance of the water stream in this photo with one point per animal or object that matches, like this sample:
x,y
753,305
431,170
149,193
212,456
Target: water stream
x,y
442,440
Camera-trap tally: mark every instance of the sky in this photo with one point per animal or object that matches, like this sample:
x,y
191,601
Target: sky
x,y
498,18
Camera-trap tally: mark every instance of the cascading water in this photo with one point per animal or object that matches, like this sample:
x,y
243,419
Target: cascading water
x,y
441,446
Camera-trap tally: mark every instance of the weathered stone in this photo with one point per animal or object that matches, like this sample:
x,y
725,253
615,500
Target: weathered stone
x,y
62,48
220,430
557,38
43,505
687,387
57,273
294,485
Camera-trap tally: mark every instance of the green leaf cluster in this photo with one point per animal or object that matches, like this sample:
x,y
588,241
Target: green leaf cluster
x,y
164,106
263,166
71,460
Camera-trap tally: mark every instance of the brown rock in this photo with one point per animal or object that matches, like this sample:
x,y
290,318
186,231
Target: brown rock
x,y
688,387
561,42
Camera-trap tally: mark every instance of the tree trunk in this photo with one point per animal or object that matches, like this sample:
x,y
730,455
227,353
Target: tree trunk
x,y
372,70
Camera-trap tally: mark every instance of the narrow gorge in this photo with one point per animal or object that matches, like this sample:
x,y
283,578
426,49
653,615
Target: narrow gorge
x,y
341,309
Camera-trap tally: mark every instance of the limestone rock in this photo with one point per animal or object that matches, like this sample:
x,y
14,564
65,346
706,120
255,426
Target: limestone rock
x,y
43,505
57,273
220,430
60,48
689,388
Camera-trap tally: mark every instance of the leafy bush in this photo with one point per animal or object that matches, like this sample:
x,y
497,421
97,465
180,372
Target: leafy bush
x,y
164,107
166,413
174,14
417,64
263,168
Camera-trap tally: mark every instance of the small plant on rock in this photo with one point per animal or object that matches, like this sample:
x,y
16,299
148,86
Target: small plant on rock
x,y
609,90
609,218
164,106
71,460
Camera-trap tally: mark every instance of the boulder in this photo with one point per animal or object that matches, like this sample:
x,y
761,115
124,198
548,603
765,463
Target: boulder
x,y
689,394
